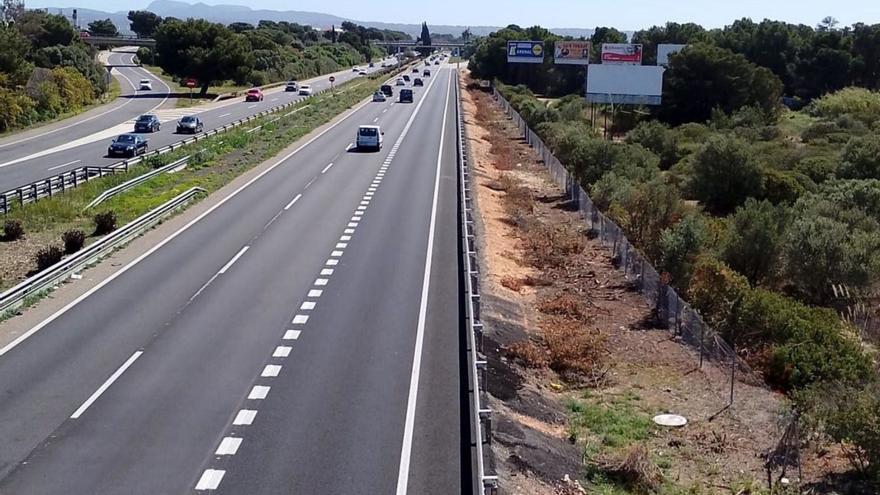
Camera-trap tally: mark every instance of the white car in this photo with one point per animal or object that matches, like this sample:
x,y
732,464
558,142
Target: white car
x,y
379,96
305,90
146,85
369,137
362,73
291,86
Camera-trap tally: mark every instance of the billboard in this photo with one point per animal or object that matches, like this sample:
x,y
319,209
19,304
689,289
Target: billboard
x,y
572,52
621,53
525,52
666,49
625,84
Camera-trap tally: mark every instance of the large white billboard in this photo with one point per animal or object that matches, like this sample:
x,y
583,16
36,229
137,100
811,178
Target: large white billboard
x,y
621,53
625,84
664,50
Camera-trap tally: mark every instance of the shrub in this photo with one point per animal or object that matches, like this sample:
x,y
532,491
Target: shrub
x,y
714,291
861,158
783,186
754,239
48,256
74,240
818,168
105,222
568,305
645,212
860,103
725,174
12,230
549,246
657,138
575,352
529,354
679,246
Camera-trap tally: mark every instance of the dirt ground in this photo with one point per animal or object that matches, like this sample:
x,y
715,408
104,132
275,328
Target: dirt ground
x,y
536,447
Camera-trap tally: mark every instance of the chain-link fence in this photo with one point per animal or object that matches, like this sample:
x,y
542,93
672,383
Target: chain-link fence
x,y
671,310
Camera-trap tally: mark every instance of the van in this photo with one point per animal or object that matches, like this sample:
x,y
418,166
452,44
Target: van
x,y
406,96
369,137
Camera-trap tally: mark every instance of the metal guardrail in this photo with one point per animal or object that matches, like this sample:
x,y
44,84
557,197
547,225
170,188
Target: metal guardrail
x,y
47,187
481,416
140,179
58,272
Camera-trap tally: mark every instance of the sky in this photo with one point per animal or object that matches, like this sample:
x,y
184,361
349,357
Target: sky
x,y
629,15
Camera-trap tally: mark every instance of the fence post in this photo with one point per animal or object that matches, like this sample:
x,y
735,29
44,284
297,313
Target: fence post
x,y
49,186
732,370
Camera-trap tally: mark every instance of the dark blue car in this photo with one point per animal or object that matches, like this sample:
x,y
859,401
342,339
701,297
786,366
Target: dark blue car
x,y
127,145
147,123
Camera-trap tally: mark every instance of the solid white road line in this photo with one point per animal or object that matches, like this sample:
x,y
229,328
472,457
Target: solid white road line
x,y
63,165
233,260
224,115
294,200
228,446
210,479
244,417
406,448
259,392
21,338
327,168
115,376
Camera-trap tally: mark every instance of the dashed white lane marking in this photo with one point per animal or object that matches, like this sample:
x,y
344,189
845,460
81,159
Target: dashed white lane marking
x,y
327,168
309,184
274,99
349,231
352,224
320,282
210,479
294,200
315,293
327,271
63,165
376,120
341,245
233,260
332,262
365,203
282,351
103,388
362,208
291,335
271,370
245,417
259,392
300,319
270,222
383,111
345,238
228,446
224,115
307,306
336,254
252,106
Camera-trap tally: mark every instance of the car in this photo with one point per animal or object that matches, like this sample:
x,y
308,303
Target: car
x,y
437,63
254,94
305,90
406,77
372,65
406,96
418,82
379,96
426,73
387,90
145,85
147,123
127,145
362,73
415,70
400,82
355,69
291,86
369,137
190,124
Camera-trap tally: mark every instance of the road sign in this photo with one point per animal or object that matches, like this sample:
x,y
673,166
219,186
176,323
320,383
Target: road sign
x,y
332,79
527,52
190,83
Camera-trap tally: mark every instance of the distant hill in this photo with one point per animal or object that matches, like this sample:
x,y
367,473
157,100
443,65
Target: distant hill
x,y
235,13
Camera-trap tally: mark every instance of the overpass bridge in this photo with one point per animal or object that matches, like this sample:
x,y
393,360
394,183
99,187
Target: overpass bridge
x,y
121,40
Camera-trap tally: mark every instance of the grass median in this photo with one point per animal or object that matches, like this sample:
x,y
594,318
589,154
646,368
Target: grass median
x,y
214,162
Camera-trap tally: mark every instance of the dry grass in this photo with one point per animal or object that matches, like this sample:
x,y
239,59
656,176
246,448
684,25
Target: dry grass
x,y
567,305
513,283
636,470
529,353
575,351
551,245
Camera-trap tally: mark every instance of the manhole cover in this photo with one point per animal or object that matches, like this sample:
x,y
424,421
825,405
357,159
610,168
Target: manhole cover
x,y
670,420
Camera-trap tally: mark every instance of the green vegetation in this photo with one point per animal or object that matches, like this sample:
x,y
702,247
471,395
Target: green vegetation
x,y
45,70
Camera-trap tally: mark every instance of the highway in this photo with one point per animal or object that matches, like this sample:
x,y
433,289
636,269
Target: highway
x,y
83,140
300,336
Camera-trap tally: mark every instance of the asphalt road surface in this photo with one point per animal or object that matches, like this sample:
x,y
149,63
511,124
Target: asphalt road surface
x,y
83,140
302,337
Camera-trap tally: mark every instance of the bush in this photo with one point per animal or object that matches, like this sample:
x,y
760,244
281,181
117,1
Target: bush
x,y
73,240
645,211
783,186
818,168
725,174
48,256
679,246
754,239
656,137
144,54
860,103
861,158
105,222
12,230
714,291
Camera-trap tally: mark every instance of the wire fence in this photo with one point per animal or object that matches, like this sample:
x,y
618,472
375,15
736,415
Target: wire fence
x,y
671,310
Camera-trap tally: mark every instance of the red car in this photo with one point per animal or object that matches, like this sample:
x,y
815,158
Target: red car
x,y
255,94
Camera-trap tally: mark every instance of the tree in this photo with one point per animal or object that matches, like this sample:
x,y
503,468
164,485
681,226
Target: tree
x,y
144,23
672,32
425,37
753,240
704,77
103,27
11,10
13,47
725,174
680,245
604,35
866,55
43,29
207,51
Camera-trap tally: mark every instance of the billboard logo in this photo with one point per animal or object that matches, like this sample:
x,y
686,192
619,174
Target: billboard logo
x,y
528,52
622,53
572,52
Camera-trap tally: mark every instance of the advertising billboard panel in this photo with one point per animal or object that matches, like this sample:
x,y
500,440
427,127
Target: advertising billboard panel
x,y
621,53
625,84
525,52
666,49
572,52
